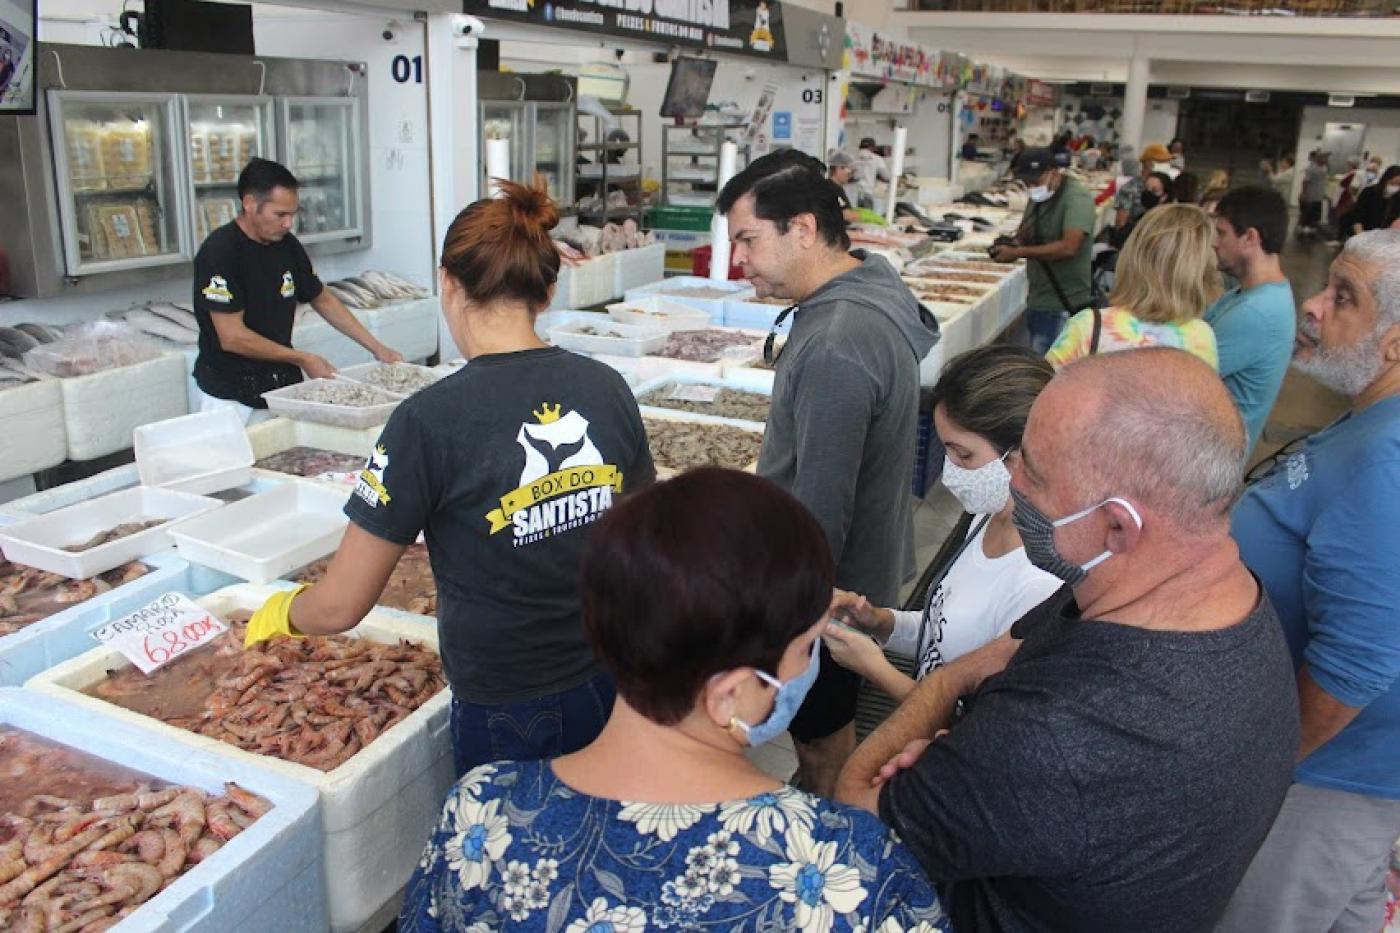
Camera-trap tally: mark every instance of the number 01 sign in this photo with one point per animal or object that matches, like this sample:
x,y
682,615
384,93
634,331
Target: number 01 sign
x,y
159,633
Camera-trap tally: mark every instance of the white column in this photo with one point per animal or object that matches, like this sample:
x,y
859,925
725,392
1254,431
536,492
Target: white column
x,y
901,141
1135,102
719,224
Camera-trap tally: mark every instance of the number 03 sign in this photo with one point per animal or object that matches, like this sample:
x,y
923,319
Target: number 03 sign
x,y
159,633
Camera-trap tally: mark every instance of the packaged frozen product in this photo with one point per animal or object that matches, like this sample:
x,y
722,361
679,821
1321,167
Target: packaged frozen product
x,y
84,145
126,153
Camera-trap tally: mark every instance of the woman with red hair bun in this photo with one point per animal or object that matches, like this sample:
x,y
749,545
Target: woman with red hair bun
x,y
502,467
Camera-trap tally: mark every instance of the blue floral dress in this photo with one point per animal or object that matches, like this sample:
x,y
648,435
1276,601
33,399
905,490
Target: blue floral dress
x,y
518,849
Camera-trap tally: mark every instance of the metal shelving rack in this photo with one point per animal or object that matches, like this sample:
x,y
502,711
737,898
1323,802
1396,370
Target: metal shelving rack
x,y
609,177
696,143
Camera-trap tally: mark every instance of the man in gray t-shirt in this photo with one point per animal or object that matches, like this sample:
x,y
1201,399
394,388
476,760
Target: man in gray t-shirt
x,y
1118,767
1313,194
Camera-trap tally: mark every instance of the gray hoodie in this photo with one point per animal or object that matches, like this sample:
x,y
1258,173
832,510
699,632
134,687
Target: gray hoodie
x,y
841,432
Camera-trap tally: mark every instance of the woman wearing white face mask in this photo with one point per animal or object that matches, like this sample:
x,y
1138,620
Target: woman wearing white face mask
x,y
981,403
704,597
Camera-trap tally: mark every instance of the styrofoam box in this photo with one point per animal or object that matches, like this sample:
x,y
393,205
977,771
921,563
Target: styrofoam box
x,y
630,339
312,334
664,414
101,410
714,307
39,541
31,422
378,809
637,267
288,403
64,635
660,312
411,327
268,877
751,313
267,535
200,453
279,434
751,378
692,379
568,293
597,278
546,320
359,374
743,355
117,478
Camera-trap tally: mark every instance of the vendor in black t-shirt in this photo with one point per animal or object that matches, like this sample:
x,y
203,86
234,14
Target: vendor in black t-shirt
x,y
840,170
502,466
249,276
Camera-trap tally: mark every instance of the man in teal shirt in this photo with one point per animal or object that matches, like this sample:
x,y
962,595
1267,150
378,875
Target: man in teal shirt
x,y
1255,321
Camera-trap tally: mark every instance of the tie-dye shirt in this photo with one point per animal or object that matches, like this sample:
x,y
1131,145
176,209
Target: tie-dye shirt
x,y
1122,331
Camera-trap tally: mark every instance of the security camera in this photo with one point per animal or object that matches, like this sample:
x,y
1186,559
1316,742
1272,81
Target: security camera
x,y
387,34
464,26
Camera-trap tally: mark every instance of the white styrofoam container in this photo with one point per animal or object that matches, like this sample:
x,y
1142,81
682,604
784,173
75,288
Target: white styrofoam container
x,y
269,877
647,368
741,355
659,311
39,541
63,635
378,809
267,535
546,320
692,379
597,278
665,414
200,453
312,334
31,422
411,327
714,307
288,403
637,267
756,315
630,339
568,294
359,374
750,377
279,434
101,410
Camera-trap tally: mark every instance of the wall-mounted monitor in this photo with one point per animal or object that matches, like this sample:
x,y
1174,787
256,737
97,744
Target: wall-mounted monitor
x,y
688,90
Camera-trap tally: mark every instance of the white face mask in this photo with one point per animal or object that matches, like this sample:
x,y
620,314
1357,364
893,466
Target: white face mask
x,y
1390,190
983,491
1040,193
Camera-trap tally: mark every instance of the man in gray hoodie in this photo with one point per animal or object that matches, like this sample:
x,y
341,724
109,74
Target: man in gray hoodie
x,y
841,432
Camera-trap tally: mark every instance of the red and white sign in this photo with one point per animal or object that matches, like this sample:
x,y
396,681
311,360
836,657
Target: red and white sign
x,y
157,634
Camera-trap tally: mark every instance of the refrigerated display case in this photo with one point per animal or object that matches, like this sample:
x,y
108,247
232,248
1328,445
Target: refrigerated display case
x,y
552,138
224,133
506,120
321,147
536,113
120,180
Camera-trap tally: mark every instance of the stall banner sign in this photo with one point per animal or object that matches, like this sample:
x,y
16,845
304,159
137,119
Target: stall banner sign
x,y
782,125
877,56
742,27
1040,94
157,634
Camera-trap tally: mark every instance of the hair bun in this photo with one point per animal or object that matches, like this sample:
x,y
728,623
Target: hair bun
x,y
530,205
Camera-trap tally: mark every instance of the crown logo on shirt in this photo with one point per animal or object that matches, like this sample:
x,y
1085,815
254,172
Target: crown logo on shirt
x,y
546,414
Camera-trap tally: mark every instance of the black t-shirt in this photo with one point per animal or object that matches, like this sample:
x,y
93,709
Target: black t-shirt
x,y
263,280
1111,778
841,195
504,465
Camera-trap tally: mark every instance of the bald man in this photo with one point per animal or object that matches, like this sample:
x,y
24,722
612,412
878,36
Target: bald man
x,y
1116,768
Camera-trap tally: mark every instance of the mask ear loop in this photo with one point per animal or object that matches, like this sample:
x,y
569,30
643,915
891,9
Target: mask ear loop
x,y
1107,554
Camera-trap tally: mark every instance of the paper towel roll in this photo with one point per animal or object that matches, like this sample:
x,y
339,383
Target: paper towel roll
x,y
497,163
719,225
901,136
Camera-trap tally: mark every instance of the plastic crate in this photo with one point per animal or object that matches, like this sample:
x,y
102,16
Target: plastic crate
x,y
658,311
268,535
378,809
596,281
101,410
40,541
32,424
269,877
360,373
200,453
613,338
64,635
288,402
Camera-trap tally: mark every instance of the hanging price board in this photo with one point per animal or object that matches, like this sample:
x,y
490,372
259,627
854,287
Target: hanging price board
x,y
157,634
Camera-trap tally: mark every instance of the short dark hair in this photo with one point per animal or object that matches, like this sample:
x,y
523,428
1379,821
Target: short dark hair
x,y
787,183
990,390
867,142
1262,208
1186,188
708,572
260,176
1168,185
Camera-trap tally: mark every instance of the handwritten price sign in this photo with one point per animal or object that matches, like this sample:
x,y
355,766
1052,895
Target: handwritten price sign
x,y
157,634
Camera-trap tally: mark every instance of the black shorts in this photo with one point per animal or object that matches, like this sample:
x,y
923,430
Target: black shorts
x,y
831,703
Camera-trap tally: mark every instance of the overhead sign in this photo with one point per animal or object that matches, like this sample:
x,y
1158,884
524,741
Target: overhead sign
x,y
814,40
1040,94
741,27
877,56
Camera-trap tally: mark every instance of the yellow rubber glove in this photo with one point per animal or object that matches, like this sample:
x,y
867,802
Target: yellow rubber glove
x,y
273,619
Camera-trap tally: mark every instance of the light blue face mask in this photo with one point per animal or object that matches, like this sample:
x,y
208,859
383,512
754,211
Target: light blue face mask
x,y
786,702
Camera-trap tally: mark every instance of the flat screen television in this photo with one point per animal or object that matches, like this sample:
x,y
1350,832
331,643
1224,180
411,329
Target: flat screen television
x,y
688,90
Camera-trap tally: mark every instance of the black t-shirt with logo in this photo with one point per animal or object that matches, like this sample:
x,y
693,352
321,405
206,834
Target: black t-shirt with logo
x,y
263,280
503,466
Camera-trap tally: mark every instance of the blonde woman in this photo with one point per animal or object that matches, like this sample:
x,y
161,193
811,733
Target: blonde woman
x,y
1166,278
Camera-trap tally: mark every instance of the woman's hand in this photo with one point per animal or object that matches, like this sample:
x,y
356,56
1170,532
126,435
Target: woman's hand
x,y
854,651
855,610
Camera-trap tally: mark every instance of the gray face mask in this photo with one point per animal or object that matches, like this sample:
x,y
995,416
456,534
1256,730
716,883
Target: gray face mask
x,y
1037,532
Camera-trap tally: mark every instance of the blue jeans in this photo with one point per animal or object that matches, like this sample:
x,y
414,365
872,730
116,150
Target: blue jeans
x,y
1043,327
530,730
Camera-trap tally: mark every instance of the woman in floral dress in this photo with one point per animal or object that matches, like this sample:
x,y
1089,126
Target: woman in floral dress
x,y
704,597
